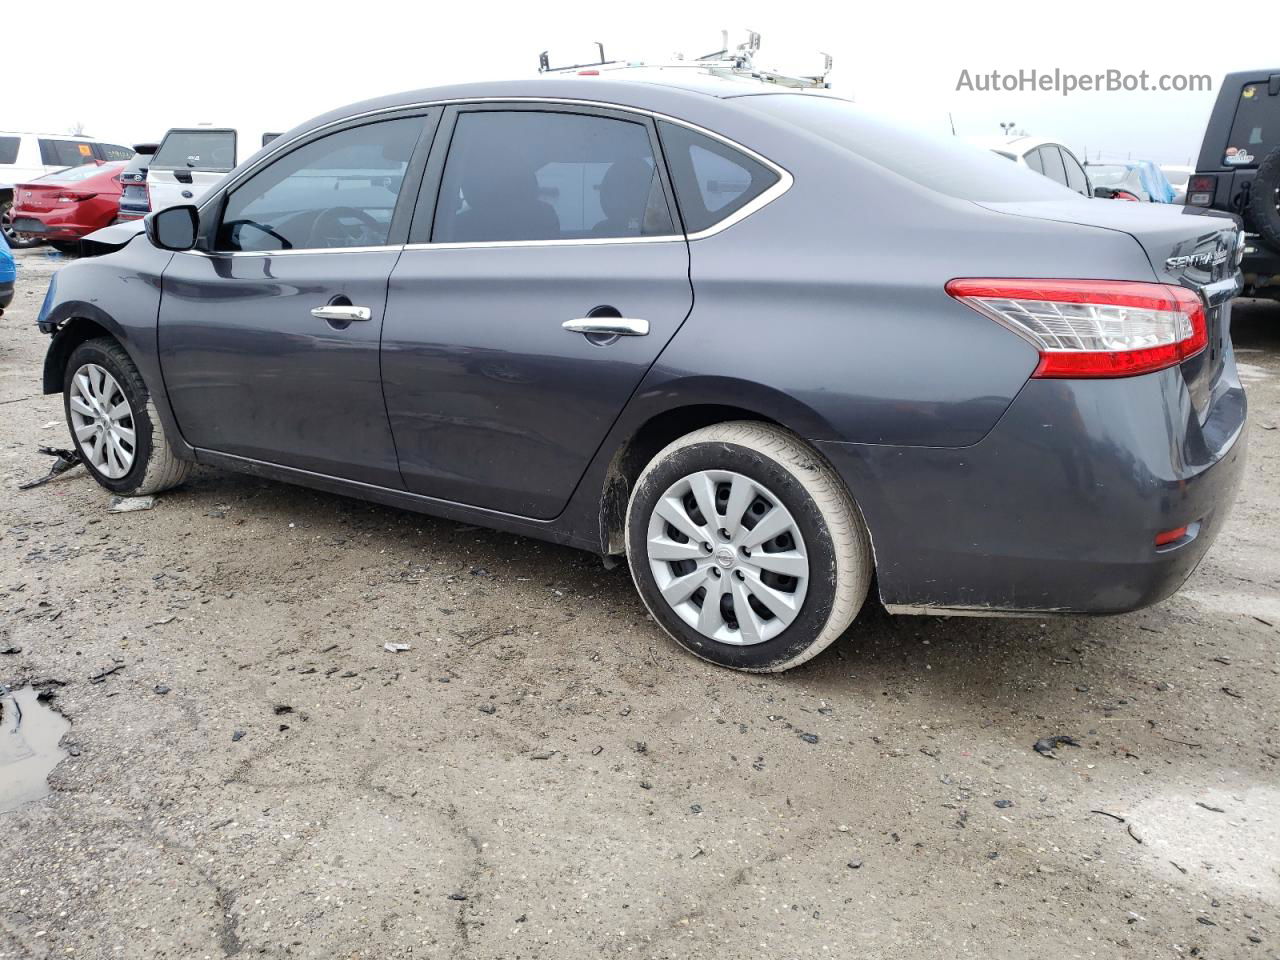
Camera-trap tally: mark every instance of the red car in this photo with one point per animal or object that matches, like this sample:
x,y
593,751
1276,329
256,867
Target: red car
x,y
65,205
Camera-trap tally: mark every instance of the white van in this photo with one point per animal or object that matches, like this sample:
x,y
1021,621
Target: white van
x,y
191,160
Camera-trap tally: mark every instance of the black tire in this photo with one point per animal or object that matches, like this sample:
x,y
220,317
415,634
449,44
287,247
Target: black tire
x,y
156,466
18,241
1264,200
834,535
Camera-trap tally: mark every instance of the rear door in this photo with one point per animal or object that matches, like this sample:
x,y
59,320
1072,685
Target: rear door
x,y
190,162
544,215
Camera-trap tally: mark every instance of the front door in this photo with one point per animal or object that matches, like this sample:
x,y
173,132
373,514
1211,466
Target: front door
x,y
524,313
269,339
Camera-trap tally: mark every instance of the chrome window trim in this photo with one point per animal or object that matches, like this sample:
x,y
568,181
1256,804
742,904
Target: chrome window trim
x,y
294,251
785,180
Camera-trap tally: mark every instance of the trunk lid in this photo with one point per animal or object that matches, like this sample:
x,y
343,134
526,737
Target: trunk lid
x,y
37,197
1187,246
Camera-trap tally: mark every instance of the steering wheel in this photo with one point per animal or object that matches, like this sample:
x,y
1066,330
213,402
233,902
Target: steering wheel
x,y
329,230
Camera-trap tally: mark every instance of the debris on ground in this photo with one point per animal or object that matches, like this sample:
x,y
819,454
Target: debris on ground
x,y
1004,804
161,689
66,459
10,650
488,708
809,737
237,736
1046,745
106,672
396,647
1206,806
130,504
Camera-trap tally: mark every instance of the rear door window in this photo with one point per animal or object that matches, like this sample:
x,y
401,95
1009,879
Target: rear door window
x,y
529,175
65,153
1034,161
197,150
1256,130
712,180
9,149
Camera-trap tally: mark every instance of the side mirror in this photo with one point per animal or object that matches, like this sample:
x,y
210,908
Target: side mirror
x,y
173,228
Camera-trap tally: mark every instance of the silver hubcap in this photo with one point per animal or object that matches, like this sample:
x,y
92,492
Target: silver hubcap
x,y
102,421
728,557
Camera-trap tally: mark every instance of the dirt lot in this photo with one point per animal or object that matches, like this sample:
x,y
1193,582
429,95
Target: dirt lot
x,y
543,775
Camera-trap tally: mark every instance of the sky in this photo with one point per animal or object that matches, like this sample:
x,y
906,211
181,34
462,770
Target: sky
x,y
270,64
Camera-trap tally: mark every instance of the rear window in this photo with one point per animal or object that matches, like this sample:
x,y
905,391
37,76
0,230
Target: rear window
x,y
945,164
197,150
1256,130
76,174
9,149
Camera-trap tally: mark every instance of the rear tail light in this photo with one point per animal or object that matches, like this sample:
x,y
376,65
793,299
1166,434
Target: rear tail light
x,y
1200,190
1093,328
1126,195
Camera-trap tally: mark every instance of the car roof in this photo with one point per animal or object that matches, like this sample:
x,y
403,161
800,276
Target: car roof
x,y
1021,144
59,136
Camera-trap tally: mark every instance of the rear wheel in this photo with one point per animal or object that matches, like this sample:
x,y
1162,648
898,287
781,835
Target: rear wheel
x,y
18,241
114,423
746,547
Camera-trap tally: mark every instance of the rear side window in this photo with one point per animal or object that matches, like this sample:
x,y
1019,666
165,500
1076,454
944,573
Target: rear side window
x,y
712,180
65,153
1034,161
1256,130
1076,179
197,150
9,149
528,175
1051,157
114,151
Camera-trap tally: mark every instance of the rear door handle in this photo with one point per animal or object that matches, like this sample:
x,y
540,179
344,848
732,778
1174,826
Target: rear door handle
x,y
342,313
608,326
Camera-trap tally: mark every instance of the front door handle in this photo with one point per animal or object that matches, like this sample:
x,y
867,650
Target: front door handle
x,y
341,313
608,326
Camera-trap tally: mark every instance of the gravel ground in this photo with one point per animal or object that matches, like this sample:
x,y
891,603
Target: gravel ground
x,y
543,775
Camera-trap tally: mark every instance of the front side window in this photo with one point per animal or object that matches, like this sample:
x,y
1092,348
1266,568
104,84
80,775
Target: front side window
x,y
338,191
65,153
712,180
213,150
528,175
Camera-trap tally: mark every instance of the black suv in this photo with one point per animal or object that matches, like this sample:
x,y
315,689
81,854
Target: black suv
x,y
1239,171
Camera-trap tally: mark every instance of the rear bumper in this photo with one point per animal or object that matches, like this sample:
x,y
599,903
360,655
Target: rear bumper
x,y
1057,509
55,225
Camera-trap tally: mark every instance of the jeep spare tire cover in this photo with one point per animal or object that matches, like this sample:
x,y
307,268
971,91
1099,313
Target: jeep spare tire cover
x,y
1264,202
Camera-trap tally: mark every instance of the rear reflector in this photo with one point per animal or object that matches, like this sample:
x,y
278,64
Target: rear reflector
x,y
1170,536
1093,328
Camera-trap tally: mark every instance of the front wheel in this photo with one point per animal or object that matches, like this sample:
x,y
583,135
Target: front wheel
x,y
114,423
746,547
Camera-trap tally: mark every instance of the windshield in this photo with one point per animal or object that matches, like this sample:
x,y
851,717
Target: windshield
x,y
945,164
197,150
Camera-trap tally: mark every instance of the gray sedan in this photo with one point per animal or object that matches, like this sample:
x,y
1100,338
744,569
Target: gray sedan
x,y
767,348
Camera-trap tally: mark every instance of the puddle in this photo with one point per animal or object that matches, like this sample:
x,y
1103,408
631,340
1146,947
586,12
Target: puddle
x,y
29,735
